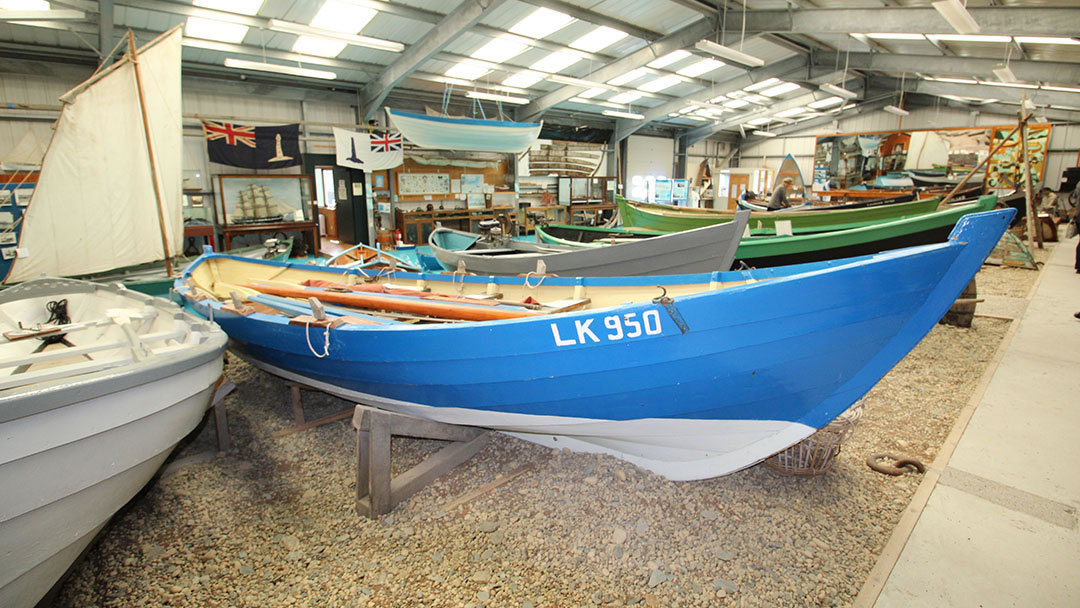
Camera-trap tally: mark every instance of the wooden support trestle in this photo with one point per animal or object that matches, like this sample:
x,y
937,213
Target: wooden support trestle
x,y
376,492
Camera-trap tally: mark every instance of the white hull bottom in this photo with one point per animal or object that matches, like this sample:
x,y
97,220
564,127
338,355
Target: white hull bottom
x,y
679,449
68,470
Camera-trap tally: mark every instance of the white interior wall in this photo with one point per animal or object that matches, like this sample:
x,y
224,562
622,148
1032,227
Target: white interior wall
x,y
649,156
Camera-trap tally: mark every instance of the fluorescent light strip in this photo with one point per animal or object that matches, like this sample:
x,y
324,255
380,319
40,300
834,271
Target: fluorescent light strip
x,y
243,64
729,53
765,133
621,114
957,16
896,110
668,59
969,38
1045,40
840,91
496,97
894,36
300,29
1012,85
1062,89
824,103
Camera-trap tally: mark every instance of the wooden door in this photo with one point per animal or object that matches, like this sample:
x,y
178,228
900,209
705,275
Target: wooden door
x,y
739,183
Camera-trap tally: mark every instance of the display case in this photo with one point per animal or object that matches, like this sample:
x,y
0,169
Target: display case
x,y
251,204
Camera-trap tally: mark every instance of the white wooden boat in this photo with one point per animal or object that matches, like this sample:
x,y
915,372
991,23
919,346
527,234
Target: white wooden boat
x,y
91,404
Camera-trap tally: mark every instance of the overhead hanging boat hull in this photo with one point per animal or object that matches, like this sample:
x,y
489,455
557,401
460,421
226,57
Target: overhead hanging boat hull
x,y
79,437
712,379
445,133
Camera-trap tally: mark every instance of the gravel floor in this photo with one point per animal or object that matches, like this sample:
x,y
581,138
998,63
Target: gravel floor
x,y
272,522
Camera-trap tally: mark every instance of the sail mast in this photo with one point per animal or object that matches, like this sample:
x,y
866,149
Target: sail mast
x,y
150,154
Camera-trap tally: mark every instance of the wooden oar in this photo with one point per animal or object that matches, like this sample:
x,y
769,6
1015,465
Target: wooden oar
x,y
465,312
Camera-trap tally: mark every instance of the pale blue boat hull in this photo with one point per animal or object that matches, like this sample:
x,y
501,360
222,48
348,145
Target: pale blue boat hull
x,y
759,366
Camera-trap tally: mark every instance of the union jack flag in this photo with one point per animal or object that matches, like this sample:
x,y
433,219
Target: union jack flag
x,y
388,142
231,133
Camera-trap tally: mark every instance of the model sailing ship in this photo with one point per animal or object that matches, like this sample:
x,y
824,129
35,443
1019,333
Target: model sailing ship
x,y
258,206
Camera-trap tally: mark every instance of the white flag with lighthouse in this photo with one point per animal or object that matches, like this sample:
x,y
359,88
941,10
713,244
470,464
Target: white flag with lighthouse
x,y
368,151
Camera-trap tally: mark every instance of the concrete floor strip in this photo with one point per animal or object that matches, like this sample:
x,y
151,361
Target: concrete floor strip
x,y
1009,497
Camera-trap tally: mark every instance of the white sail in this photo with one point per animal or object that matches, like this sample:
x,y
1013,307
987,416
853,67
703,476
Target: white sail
x,y
94,207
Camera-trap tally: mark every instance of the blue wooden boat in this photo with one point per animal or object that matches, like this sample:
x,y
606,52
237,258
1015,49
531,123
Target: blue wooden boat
x,y
706,375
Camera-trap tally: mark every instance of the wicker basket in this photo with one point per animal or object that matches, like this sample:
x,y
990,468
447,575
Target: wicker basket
x,y
815,454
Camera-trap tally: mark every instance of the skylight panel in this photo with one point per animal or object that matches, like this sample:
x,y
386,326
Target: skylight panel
x,y
824,103
593,92
759,121
659,84
523,79
600,38
24,5
790,112
555,62
780,89
625,98
346,17
323,47
244,7
762,85
212,29
628,76
735,103
541,22
669,59
499,49
467,71
688,109
701,67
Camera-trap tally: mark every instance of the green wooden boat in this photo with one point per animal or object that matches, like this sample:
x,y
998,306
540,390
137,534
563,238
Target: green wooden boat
x,y
666,218
764,251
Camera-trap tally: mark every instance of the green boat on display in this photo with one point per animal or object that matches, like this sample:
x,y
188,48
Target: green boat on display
x,y
765,251
650,216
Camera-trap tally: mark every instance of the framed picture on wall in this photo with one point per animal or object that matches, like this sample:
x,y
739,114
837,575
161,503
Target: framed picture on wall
x,y
265,199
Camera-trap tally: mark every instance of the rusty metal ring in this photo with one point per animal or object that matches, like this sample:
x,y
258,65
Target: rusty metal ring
x,y
899,466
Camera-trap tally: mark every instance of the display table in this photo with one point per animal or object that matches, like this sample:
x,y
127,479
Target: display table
x,y
417,226
236,230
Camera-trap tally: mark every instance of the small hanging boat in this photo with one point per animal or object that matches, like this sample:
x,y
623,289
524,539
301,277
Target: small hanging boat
x,y
446,133
666,218
764,251
97,385
691,376
699,250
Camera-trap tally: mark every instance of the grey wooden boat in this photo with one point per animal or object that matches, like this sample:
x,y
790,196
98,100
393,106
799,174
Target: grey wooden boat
x,y
699,250
98,383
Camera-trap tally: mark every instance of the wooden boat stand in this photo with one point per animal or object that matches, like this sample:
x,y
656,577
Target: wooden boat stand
x,y
298,411
376,492
223,387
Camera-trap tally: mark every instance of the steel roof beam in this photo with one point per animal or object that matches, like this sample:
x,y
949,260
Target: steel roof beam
x,y
1031,71
695,135
625,128
461,19
585,14
672,42
799,127
1010,94
1005,21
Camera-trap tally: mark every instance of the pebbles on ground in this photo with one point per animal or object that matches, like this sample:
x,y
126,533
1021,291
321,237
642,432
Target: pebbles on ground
x,y
271,523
